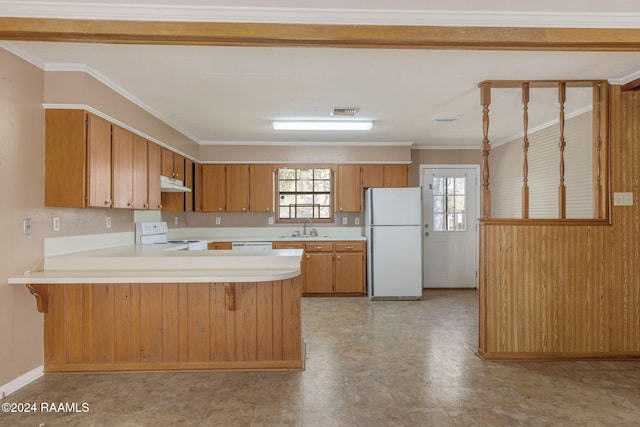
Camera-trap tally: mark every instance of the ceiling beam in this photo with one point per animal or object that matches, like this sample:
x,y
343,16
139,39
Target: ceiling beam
x,y
356,36
632,85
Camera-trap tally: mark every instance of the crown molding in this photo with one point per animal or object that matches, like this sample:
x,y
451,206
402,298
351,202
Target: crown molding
x,y
312,143
446,147
185,13
626,79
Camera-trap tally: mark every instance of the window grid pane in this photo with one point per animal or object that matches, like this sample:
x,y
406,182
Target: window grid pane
x,y
304,193
449,200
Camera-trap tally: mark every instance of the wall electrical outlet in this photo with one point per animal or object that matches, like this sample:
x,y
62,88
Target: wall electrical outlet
x,y
108,222
270,220
175,220
56,223
218,220
345,220
26,226
357,221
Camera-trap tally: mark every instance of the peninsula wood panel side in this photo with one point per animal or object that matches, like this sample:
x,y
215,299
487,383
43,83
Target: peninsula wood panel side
x,y
563,291
148,326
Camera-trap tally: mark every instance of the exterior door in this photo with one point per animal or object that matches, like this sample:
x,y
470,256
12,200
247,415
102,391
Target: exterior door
x,y
450,232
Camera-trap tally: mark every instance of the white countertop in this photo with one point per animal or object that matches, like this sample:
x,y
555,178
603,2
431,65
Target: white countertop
x,y
265,234
164,264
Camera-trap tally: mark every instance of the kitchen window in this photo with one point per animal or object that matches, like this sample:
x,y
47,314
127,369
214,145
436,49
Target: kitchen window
x,y
305,194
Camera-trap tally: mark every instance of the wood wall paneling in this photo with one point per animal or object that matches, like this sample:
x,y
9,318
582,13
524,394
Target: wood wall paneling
x,y
96,327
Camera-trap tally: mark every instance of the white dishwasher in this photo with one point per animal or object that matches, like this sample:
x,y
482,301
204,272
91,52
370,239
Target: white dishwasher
x,y
251,246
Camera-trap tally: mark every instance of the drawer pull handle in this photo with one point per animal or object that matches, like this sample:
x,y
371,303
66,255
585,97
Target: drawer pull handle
x,y
348,247
319,247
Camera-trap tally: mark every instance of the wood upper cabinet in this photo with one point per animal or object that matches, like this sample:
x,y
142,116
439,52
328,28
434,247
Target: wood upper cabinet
x,y
98,162
237,188
214,188
77,159
385,175
372,176
261,188
197,187
172,164
396,176
188,182
122,168
140,173
349,189
154,154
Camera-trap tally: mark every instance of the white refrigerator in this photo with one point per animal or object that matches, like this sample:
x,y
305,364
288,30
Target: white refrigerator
x,y
393,227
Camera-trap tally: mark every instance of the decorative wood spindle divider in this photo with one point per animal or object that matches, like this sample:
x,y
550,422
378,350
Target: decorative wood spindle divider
x,y
525,151
600,142
562,189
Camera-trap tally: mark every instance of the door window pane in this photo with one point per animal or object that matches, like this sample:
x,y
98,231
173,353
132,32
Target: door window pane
x,y
449,204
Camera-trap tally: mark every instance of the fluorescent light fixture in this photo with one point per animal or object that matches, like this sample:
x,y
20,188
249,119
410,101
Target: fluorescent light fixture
x,y
449,118
323,125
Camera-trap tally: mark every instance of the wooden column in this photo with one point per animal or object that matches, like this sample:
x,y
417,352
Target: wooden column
x,y
525,151
485,100
562,190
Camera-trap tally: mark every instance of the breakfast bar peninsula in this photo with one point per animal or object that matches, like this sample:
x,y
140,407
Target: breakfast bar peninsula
x,y
137,308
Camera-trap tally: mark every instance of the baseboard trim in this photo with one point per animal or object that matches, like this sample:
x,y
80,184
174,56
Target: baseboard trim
x,y
21,381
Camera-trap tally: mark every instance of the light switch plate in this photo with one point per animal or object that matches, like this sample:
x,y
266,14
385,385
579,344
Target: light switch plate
x,y
26,226
108,222
56,223
623,199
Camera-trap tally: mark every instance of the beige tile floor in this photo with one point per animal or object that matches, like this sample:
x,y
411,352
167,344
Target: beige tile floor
x,y
368,364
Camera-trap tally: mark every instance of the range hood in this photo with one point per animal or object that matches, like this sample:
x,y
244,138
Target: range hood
x,y
172,185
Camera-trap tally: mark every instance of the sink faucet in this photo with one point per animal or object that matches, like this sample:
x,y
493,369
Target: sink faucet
x,y
304,229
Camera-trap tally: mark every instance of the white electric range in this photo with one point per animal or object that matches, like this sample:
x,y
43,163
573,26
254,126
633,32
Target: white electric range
x,y
155,233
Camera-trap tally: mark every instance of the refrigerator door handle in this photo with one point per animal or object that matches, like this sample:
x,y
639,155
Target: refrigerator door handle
x,y
370,261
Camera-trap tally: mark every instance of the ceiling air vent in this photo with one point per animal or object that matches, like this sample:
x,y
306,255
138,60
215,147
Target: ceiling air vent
x,y
345,111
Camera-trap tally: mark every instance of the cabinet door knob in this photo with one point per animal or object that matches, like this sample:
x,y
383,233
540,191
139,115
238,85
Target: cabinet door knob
x,y
159,206
338,257
307,256
220,209
244,209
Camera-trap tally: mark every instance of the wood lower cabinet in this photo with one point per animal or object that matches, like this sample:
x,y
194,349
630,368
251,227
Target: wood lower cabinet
x,y
331,268
350,268
217,246
169,326
318,265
